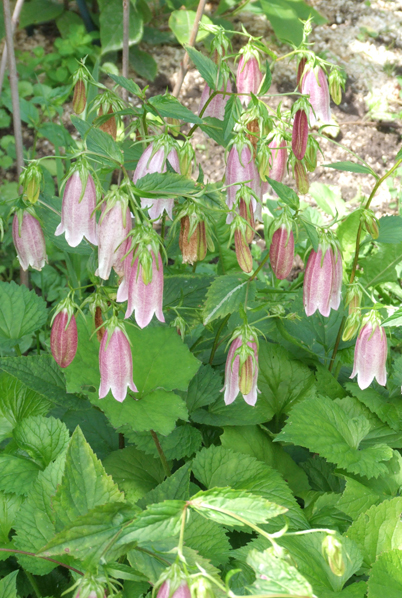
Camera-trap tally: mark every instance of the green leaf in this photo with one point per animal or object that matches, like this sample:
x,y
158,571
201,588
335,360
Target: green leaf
x,y
377,530
266,82
204,388
96,429
251,440
164,184
233,111
390,229
213,127
8,585
89,536
285,193
9,506
111,25
17,474
102,143
21,313
168,106
328,199
237,414
322,426
41,374
234,507
187,290
182,442
220,467
134,472
380,267
386,575
143,63
43,438
225,295
85,484
206,67
161,520
175,487
311,233
347,232
39,11
208,538
348,166
285,15
282,380
356,498
128,84
275,576
34,526
181,22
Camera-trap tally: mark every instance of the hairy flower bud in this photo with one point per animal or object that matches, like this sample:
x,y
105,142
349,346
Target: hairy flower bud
x,y
154,160
114,226
193,245
353,298
249,75
64,337
243,253
31,180
370,223
277,163
80,97
332,549
300,134
323,280
182,591
241,370
246,212
370,353
336,81
301,177
115,362
216,107
110,125
281,252
300,71
315,85
77,211
310,157
29,241
352,326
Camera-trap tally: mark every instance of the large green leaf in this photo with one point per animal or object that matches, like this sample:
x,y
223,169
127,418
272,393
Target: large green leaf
x,y
380,267
175,487
182,442
350,167
8,585
276,576
43,438
226,294
9,506
204,388
160,520
168,106
39,11
17,474
181,23
21,313
377,530
206,67
85,484
285,17
208,538
111,25
134,472
324,427
35,523
386,575
102,143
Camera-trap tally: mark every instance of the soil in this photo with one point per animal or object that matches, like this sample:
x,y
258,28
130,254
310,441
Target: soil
x,y
364,38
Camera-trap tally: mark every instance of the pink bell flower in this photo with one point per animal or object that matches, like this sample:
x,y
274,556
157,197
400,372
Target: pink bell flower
x,y
282,251
315,85
64,337
370,353
29,240
322,280
249,75
115,363
183,591
77,212
143,299
241,167
154,160
241,370
300,134
216,107
114,226
277,163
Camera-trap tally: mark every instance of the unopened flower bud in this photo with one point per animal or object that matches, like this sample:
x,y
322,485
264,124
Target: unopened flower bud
x,y
64,337
202,588
186,157
352,326
243,253
336,81
279,156
188,242
216,107
109,126
31,180
180,324
80,97
323,280
371,223
281,252
249,75
332,549
173,126
246,212
300,134
353,298
300,72
310,157
301,177
241,167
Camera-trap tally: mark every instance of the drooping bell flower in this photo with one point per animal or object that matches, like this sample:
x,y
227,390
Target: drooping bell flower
x,y
278,159
216,107
29,241
241,370
166,591
315,85
115,362
64,334
300,134
194,237
249,75
113,227
300,71
323,279
282,249
370,352
90,586
246,212
241,168
239,230
154,160
78,208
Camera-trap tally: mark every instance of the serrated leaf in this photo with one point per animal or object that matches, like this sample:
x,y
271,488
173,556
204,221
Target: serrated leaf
x,y
206,67
17,474
377,530
89,536
275,576
85,484
348,166
229,507
380,267
322,426
356,498
237,414
40,373
9,506
386,575
175,487
285,193
225,295
204,388
160,520
43,438
21,313
8,585
168,106
128,84
208,538
220,467
134,472
102,143
34,526
184,441
165,184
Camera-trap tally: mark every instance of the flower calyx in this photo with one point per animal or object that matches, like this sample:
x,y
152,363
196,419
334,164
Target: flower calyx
x,y
31,180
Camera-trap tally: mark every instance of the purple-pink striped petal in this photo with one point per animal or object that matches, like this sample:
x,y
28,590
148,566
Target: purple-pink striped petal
x,y
115,365
77,217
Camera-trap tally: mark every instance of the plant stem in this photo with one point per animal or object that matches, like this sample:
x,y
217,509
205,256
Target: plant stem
x,y
162,455
38,556
18,350
185,62
258,270
163,226
121,441
14,22
126,43
33,583
209,100
357,250
218,333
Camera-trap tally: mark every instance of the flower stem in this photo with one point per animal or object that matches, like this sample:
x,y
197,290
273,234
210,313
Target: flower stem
x,y
162,455
258,270
218,334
